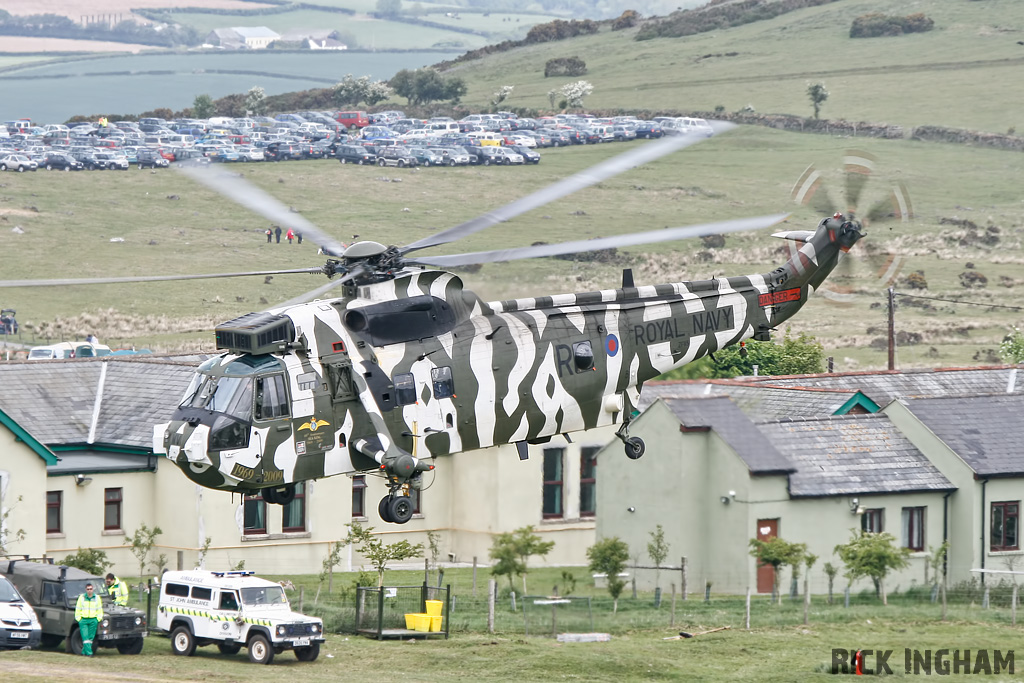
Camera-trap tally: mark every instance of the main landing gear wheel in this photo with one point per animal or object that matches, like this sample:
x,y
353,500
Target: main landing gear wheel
x,y
279,496
635,447
400,509
383,509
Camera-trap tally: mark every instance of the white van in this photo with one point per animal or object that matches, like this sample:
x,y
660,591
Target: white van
x,y
19,627
82,349
234,610
443,127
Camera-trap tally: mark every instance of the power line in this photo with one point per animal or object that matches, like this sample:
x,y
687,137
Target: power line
x,y
956,301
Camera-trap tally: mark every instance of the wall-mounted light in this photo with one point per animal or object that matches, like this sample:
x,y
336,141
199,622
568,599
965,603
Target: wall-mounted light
x,y
82,480
855,508
725,500
631,509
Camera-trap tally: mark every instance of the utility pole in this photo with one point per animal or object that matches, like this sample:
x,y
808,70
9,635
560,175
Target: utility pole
x,y
892,329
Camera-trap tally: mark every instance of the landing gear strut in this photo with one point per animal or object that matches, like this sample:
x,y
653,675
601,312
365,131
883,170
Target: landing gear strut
x,y
635,446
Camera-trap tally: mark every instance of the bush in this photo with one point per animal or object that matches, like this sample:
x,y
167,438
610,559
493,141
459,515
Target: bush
x,y
565,66
627,19
89,560
876,24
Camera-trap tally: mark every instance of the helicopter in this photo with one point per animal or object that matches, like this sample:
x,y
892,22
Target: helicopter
x,y
405,364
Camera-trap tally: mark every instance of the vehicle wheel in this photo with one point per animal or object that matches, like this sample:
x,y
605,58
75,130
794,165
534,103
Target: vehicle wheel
x,y
426,162
401,163
50,640
400,509
360,162
341,160
283,495
49,167
131,647
182,641
384,509
507,162
382,163
269,495
73,644
451,163
67,168
307,654
635,447
229,648
21,169
260,651
3,167
487,162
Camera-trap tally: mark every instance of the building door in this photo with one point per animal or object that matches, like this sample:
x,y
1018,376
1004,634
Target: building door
x,y
767,529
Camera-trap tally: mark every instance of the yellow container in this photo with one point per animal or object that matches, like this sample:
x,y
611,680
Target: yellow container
x,y
410,621
434,607
421,622
435,623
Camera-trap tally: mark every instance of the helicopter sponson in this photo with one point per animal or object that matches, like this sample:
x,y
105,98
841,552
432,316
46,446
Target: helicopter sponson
x,y
394,373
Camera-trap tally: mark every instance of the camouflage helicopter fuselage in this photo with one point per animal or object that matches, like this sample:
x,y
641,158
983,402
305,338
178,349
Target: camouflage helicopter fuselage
x,y
399,371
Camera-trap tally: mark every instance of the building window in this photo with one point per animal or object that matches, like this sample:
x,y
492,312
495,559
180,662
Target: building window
x,y
254,515
588,480
359,496
873,521
913,528
53,512
553,483
1004,526
416,498
112,509
293,515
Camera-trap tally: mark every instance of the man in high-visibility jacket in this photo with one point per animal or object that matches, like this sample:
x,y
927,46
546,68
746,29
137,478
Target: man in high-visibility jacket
x,y
88,614
118,590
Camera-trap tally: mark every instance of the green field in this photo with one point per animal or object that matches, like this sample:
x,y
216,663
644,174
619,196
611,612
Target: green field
x,y
745,173
962,74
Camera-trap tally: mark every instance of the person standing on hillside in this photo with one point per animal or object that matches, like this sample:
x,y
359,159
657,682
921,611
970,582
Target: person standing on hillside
x,y
290,235
270,235
277,233
88,614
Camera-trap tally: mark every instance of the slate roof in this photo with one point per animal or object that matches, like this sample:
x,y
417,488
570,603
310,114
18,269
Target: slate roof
x,y
56,399
729,422
884,387
986,431
255,32
759,402
850,455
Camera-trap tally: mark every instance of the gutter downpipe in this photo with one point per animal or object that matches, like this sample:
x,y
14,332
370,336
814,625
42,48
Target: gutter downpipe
x,y
945,533
984,482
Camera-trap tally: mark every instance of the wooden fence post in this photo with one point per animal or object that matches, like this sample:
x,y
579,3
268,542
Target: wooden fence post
x,y
492,589
748,608
672,621
682,568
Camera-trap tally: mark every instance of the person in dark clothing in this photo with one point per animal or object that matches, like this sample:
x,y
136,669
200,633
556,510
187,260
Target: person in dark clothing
x,y
277,234
299,236
270,235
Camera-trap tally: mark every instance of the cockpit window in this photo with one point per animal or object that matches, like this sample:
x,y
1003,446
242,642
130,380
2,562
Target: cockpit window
x,y
228,395
271,399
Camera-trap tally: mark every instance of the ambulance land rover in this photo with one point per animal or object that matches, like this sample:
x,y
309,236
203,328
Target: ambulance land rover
x,y
234,610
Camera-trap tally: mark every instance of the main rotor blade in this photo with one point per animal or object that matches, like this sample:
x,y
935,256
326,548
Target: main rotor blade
x,y
149,278
649,237
244,193
323,289
591,176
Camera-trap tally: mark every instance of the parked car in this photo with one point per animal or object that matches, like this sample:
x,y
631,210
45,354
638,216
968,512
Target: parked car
x,y
355,154
352,119
78,349
53,591
454,156
427,157
529,156
111,162
19,626
283,151
190,157
149,158
17,162
649,129
250,153
61,162
396,156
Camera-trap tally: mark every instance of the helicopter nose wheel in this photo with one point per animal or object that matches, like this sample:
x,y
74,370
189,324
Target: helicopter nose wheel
x,y
395,509
635,447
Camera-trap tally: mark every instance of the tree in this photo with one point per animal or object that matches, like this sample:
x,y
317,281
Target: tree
x,y
575,92
377,92
830,571
777,553
255,101
389,8
202,107
376,551
351,91
142,542
512,552
5,539
89,560
818,95
332,560
1011,349
609,557
501,94
657,550
874,556
796,355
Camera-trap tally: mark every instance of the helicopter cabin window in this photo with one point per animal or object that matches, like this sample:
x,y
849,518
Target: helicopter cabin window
x,y
293,515
443,384
271,399
405,389
359,496
553,483
254,515
583,353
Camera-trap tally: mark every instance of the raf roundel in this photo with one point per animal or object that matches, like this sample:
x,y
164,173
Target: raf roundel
x,y
611,343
